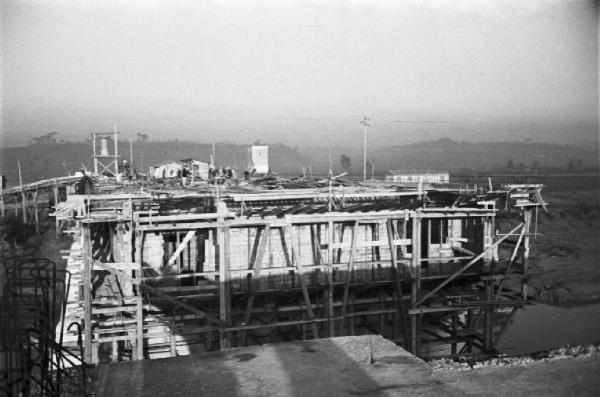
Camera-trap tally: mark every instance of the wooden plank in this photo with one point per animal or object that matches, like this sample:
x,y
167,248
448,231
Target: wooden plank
x,y
372,243
366,217
118,272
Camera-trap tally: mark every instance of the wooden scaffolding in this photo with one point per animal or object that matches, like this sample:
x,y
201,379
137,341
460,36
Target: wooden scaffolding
x,y
273,267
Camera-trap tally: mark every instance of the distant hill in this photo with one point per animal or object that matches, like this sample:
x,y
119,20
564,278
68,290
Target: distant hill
x,y
47,160
455,156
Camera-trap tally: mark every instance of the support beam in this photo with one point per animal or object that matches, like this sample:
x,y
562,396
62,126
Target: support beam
x,y
298,265
396,271
348,275
329,303
527,226
23,197
86,281
159,293
224,286
415,335
510,263
139,314
261,239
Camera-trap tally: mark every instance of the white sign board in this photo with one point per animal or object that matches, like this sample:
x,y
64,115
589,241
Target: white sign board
x,y
260,159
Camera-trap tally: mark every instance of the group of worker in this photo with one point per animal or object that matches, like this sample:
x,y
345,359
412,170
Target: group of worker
x,y
216,175
221,175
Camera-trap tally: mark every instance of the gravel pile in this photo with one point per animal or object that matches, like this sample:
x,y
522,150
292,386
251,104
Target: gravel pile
x,y
468,363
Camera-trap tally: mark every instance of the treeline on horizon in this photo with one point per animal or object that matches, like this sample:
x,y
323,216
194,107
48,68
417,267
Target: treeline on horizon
x,y
48,156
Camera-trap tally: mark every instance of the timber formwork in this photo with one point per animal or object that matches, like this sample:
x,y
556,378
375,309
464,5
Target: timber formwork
x,y
169,275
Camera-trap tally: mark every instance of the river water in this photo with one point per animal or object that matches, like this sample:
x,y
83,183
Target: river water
x,y
542,327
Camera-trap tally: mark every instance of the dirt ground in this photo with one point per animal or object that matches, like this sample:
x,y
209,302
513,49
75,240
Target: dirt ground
x,y
576,376
566,256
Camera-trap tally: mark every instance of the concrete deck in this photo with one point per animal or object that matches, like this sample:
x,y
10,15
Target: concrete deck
x,y
367,365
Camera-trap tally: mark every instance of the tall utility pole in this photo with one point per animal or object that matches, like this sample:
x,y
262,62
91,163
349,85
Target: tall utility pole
x,y
365,123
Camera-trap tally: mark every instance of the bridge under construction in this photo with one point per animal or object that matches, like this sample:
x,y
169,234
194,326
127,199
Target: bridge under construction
x,y
158,273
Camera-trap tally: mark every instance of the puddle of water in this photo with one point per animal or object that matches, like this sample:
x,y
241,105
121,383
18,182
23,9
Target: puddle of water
x,y
543,327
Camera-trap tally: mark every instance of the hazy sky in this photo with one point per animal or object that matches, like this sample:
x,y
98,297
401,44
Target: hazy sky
x,y
301,72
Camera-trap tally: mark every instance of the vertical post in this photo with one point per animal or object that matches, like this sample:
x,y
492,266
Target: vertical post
x,y
365,124
224,286
415,287
116,141
298,265
131,151
139,315
56,219
87,294
352,331
94,151
115,352
365,154
35,211
399,294
470,320
2,195
330,307
488,311
23,198
526,228
381,315
453,346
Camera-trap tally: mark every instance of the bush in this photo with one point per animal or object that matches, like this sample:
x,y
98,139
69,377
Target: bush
x,y
14,232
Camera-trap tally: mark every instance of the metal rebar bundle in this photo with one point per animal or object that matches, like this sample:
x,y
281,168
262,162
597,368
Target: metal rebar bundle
x,y
32,304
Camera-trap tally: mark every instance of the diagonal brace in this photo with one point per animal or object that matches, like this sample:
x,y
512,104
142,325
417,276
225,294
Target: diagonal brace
x,y
465,267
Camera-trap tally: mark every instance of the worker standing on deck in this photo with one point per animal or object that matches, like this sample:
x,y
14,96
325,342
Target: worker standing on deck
x,y
84,185
211,175
228,175
184,175
125,170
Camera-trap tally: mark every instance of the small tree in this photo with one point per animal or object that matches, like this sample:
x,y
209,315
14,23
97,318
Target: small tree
x,y
346,162
48,139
